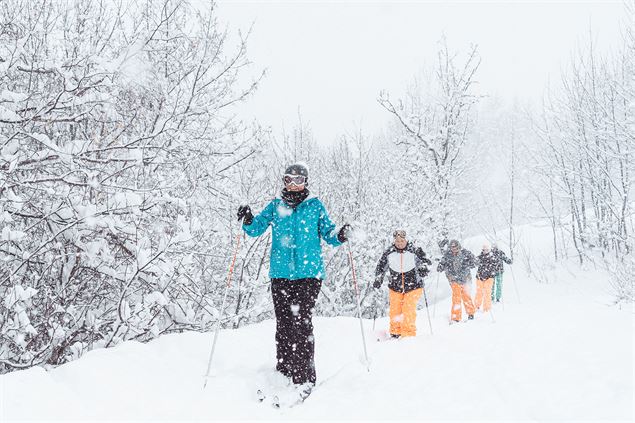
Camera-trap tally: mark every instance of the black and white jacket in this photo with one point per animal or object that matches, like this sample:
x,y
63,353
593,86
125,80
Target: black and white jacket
x,y
487,265
407,268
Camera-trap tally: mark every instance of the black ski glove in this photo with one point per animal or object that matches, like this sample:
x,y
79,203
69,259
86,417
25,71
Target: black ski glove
x,y
377,283
342,235
422,255
423,272
244,214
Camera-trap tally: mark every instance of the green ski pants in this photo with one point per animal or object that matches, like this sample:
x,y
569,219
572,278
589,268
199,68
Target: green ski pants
x,y
497,287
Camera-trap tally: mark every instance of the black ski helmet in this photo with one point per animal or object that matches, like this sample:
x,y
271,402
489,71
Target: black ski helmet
x,y
297,169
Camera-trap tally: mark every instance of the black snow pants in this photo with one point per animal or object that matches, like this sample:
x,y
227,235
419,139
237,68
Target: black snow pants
x,y
293,303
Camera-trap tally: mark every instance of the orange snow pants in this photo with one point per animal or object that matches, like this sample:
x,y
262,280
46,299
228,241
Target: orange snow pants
x,y
403,312
484,294
460,293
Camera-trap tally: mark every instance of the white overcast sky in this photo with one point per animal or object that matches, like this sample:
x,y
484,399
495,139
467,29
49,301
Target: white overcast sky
x,y
331,59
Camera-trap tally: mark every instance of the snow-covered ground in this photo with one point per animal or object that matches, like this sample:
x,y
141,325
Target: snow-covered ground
x,y
560,353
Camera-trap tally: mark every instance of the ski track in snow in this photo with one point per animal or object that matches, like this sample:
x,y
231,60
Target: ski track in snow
x,y
562,353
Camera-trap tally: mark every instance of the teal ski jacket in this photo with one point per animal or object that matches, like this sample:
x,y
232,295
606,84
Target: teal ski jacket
x,y
296,252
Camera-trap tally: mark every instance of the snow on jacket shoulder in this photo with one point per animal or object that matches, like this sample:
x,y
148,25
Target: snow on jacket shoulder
x,y
296,251
407,268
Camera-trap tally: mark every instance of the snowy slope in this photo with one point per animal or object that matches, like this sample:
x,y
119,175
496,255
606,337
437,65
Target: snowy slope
x,y
561,353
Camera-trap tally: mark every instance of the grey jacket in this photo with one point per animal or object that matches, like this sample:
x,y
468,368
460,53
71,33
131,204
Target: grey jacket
x,y
457,268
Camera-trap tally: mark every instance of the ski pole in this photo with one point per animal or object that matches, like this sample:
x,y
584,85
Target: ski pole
x,y
375,306
515,286
425,297
222,308
436,289
359,313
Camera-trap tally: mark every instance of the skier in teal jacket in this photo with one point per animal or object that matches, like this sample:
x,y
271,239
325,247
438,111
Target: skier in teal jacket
x,y
296,269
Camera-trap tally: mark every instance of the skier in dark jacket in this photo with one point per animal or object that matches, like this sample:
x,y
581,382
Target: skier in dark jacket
x,y
408,267
296,269
456,263
497,286
485,272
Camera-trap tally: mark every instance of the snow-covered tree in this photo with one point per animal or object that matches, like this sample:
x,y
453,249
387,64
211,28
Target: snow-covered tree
x,y
584,165
434,122
118,141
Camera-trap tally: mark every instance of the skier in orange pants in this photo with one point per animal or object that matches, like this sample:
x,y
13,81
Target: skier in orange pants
x,y
407,266
456,263
487,264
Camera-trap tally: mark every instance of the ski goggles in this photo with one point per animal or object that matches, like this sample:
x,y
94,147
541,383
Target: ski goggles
x,y
294,179
399,233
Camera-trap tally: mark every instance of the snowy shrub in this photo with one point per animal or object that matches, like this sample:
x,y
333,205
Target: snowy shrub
x,y
116,142
622,278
